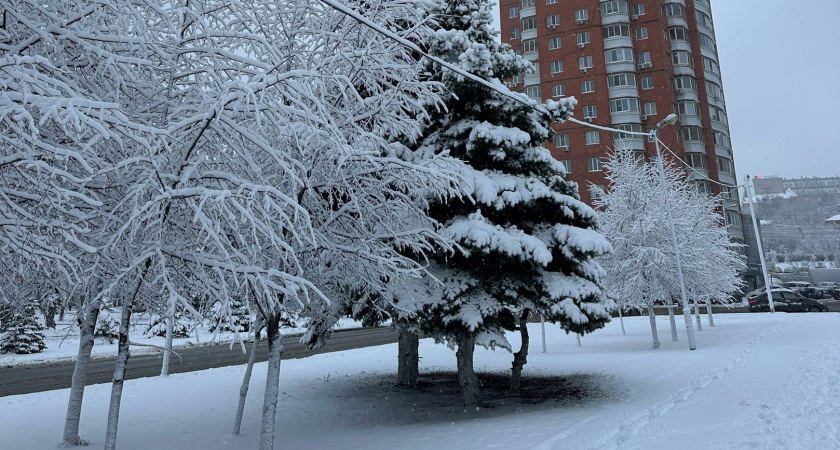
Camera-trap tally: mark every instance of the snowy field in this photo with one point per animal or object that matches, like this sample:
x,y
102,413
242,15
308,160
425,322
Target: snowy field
x,y
756,381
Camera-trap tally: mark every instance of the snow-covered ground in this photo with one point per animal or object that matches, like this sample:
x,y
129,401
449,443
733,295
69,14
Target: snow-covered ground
x,y
756,381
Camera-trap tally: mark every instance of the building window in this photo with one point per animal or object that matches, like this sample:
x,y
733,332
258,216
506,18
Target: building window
x,y
639,10
614,7
562,141
703,187
621,80
556,66
616,30
596,191
526,3
587,86
554,43
682,58
567,165
644,58
514,12
585,62
593,137
704,19
732,219
729,192
529,23
722,140
558,90
590,112
581,15
647,82
641,33
714,90
632,127
550,2
552,20
583,38
650,109
725,165
696,160
594,164
717,114
620,54
706,41
514,33
688,108
678,33
533,91
692,134
674,10
686,82
529,46
624,105
709,65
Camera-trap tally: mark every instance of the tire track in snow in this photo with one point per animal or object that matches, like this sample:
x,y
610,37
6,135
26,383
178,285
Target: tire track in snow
x,y
789,420
636,425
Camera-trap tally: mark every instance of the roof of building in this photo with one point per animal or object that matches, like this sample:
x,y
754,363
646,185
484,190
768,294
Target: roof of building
x,y
833,218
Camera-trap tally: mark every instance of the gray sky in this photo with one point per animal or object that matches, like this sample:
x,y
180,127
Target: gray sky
x,y
780,62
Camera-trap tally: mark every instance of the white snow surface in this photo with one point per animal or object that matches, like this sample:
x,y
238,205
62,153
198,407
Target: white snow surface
x,y
767,381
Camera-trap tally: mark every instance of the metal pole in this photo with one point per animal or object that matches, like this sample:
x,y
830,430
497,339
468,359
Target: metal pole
x,y
689,327
542,324
750,192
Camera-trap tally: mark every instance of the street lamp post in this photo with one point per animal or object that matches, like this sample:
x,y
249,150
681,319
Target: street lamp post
x,y
750,189
689,327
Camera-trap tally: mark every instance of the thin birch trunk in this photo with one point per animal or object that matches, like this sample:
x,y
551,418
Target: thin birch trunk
x,y
170,324
119,378
709,311
621,319
673,320
86,320
246,381
654,333
697,315
466,374
272,382
520,358
408,357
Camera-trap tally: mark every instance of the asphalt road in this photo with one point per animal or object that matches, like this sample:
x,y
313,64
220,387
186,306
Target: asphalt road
x,y
25,379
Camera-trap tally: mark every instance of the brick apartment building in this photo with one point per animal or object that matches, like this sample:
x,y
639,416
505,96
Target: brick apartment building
x,y
629,64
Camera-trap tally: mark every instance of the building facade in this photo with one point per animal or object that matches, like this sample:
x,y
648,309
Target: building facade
x,y
629,64
769,185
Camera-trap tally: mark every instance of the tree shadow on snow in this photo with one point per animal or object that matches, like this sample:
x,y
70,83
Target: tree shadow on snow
x,y
377,400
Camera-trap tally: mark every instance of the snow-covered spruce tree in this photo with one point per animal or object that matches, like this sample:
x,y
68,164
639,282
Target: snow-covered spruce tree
x,y
526,242
642,269
26,334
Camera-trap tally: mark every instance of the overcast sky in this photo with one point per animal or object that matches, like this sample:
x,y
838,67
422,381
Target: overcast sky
x,y
780,62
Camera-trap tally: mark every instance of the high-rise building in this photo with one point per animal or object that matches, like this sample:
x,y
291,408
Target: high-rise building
x,y
629,64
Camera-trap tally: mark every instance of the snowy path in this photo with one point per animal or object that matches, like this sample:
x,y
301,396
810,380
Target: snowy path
x,y
756,381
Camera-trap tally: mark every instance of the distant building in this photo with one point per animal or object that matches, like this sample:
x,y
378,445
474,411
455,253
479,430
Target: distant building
x,y
799,186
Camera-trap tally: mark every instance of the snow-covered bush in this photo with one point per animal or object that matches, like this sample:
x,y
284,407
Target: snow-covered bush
x,y
232,317
25,333
180,328
107,326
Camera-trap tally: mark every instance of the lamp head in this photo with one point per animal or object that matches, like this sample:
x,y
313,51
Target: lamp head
x,y
670,120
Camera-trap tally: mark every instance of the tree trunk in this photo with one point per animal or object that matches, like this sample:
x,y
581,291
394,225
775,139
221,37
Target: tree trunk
x,y
520,358
170,324
709,311
408,357
578,340
272,382
697,315
673,320
246,381
119,377
87,325
466,374
621,319
654,333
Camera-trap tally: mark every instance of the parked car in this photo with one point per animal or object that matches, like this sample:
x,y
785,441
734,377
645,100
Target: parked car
x,y
785,300
796,286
